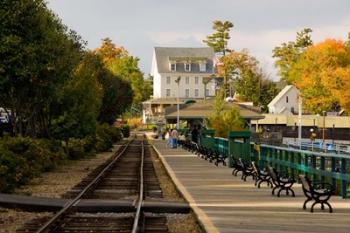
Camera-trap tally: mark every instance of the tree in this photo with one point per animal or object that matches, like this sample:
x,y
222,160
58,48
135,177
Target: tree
x,y
219,39
224,121
118,61
268,91
117,97
322,75
79,102
249,80
38,54
109,51
289,53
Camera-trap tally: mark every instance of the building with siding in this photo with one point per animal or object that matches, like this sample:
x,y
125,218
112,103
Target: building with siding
x,y
190,65
179,73
286,102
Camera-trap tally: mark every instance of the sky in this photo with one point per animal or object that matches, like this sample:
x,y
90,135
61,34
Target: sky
x,y
259,25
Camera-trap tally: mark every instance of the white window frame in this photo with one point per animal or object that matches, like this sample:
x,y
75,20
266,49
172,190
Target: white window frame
x,y
167,92
168,80
187,65
171,66
196,92
187,80
207,92
196,80
202,67
187,92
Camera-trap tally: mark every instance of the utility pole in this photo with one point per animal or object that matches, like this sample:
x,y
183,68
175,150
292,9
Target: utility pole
x,y
300,120
178,103
324,126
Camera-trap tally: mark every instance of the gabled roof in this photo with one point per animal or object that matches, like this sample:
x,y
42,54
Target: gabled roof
x,y
280,95
205,108
162,55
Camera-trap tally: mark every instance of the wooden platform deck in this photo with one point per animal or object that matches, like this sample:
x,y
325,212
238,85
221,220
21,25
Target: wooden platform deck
x,y
225,203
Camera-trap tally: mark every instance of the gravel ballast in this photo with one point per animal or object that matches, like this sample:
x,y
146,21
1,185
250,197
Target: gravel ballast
x,y
177,223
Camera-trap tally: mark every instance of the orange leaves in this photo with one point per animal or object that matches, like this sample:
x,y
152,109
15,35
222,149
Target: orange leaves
x,y
322,74
109,51
342,87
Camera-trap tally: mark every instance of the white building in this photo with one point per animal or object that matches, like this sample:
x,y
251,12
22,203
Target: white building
x,y
189,65
193,68
286,102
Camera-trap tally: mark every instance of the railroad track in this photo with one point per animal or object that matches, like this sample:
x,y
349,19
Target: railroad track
x,y
128,175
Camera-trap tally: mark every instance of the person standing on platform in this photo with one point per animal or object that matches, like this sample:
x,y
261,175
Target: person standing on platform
x,y
174,136
194,134
168,138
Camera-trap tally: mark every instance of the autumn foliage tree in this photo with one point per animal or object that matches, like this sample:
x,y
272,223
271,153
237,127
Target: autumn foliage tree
x,y
224,120
322,73
118,61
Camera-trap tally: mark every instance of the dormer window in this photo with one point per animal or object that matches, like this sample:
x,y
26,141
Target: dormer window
x,y
173,66
187,67
202,67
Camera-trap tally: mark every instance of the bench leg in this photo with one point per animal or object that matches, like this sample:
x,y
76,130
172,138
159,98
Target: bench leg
x,y
292,192
312,207
306,201
329,206
273,190
279,192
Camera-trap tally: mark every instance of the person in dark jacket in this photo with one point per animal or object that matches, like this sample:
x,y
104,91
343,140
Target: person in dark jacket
x,y
195,134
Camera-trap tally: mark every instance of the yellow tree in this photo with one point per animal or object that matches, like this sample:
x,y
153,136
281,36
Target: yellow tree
x,y
109,51
224,119
118,61
322,75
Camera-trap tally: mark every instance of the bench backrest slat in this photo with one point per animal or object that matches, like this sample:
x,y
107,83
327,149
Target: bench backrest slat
x,y
272,173
305,182
256,169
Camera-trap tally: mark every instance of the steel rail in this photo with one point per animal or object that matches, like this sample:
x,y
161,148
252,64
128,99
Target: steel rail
x,y
135,227
75,201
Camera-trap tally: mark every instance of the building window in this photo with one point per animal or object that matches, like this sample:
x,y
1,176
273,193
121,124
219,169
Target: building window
x,y
187,92
173,66
286,99
187,80
196,92
167,80
196,80
206,92
187,67
167,92
202,67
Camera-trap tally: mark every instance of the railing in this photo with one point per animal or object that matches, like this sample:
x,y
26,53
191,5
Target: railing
x,y
222,145
325,167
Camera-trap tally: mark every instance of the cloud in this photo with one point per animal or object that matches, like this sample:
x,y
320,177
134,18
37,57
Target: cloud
x,y
177,38
259,25
261,43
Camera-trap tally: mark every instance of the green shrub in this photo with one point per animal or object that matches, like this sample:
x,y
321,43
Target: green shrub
x,y
103,138
106,135
22,158
125,131
13,170
76,148
116,134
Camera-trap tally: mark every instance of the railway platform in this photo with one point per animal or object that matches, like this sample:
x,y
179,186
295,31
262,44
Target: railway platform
x,y
225,203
